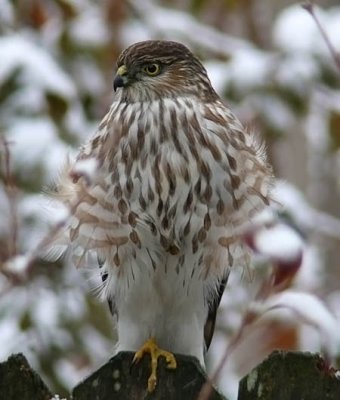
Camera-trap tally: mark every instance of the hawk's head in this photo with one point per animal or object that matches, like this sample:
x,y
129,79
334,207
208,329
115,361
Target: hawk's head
x,y
158,68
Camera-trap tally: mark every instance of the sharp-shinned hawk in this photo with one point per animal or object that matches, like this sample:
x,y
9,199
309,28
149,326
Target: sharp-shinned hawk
x,y
176,180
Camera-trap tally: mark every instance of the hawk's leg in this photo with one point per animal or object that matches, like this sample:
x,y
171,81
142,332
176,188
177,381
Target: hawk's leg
x,y
150,346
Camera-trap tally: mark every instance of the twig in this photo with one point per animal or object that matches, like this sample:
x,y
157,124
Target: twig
x,y
26,262
266,289
309,7
248,319
11,192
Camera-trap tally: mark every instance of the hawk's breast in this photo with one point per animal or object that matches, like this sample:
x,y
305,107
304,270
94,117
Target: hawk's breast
x,y
176,180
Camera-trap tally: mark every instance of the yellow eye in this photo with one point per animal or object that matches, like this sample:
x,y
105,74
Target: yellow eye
x,y
152,69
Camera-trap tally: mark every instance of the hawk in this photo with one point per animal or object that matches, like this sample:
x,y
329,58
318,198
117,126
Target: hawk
x,y
176,179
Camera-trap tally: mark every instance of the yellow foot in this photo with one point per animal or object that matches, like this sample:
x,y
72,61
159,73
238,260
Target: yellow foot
x,y
150,346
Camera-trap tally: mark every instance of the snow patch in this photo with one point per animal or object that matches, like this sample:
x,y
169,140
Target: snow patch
x,y
18,264
38,67
88,28
279,242
250,68
34,141
7,13
310,310
295,29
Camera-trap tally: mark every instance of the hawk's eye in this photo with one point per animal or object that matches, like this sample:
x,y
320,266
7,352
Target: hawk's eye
x,y
152,69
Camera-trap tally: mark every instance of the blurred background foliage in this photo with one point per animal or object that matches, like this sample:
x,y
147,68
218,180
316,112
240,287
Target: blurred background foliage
x,y
57,60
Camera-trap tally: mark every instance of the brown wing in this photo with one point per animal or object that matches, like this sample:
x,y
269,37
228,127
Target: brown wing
x,y
209,326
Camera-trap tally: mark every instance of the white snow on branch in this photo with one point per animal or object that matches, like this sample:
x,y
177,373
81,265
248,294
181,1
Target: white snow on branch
x,y
35,141
18,265
296,31
10,333
88,28
309,310
332,25
297,72
7,12
279,242
181,26
306,216
38,67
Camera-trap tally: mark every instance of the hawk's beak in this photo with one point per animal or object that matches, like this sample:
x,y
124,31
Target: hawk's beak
x,y
121,78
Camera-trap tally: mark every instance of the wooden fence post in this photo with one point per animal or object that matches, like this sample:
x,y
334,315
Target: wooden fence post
x,y
282,376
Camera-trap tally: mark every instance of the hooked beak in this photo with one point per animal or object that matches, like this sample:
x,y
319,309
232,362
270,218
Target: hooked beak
x,y
121,78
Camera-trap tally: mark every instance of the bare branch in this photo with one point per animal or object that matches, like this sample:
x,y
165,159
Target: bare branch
x,y
309,7
11,192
